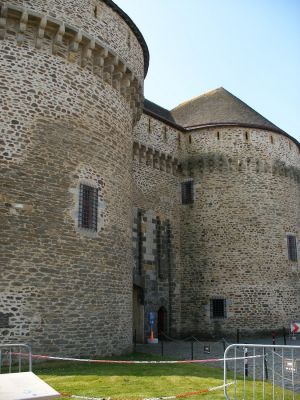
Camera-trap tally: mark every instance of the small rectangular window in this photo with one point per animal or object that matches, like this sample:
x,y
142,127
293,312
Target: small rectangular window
x,y
88,207
292,247
218,308
4,320
187,192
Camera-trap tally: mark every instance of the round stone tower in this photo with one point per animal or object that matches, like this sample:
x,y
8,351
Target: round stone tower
x,y
240,236
72,76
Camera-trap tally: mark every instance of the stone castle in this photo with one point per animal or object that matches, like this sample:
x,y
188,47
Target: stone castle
x,y
112,206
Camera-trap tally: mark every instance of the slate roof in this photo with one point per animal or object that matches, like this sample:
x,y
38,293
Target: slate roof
x,y
215,108
134,29
159,112
219,107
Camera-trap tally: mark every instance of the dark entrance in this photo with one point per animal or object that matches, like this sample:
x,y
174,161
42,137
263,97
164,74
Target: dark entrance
x,y
161,322
138,314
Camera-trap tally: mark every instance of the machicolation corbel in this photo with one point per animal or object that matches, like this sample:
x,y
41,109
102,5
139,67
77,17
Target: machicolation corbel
x,y
22,27
41,32
87,52
58,38
3,16
77,39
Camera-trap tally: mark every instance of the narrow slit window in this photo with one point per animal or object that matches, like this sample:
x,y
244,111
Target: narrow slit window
x,y
165,133
95,11
272,139
218,308
88,207
168,238
149,125
246,136
187,192
292,247
158,245
218,135
128,40
139,242
179,140
190,139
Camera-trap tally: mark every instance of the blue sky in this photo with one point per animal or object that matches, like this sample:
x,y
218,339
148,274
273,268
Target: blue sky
x,y
250,47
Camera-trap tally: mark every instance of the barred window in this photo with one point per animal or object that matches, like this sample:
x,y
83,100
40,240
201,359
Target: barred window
x,y
187,192
88,207
292,247
218,308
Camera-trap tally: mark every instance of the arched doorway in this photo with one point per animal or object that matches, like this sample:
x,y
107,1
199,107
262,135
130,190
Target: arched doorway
x,y
162,322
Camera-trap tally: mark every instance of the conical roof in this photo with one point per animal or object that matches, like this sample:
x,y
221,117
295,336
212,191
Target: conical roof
x,y
219,107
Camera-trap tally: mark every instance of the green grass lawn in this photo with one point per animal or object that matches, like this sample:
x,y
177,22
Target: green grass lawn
x,y
136,382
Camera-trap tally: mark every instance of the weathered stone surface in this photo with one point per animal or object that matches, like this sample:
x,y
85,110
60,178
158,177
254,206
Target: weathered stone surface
x,y
71,96
232,239
67,290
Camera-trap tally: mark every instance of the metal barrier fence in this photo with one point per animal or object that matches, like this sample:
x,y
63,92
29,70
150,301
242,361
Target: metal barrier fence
x,y
251,366
15,358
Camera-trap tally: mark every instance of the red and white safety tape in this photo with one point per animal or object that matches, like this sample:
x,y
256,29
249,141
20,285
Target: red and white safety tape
x,y
87,360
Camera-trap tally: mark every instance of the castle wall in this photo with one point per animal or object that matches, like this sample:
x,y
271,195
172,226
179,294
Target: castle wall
x,y
97,19
156,200
67,114
234,235
72,91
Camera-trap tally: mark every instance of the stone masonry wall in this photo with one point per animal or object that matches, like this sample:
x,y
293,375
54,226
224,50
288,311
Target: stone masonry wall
x,y
79,71
234,236
99,20
154,134
156,196
65,290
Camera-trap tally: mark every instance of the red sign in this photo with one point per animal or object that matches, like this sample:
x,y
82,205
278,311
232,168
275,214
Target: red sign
x,y
295,327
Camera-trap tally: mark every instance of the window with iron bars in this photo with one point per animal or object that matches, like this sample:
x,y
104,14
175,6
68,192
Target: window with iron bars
x,y
187,192
292,247
218,308
88,207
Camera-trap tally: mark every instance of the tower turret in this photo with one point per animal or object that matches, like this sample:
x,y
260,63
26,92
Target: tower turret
x,y
72,88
